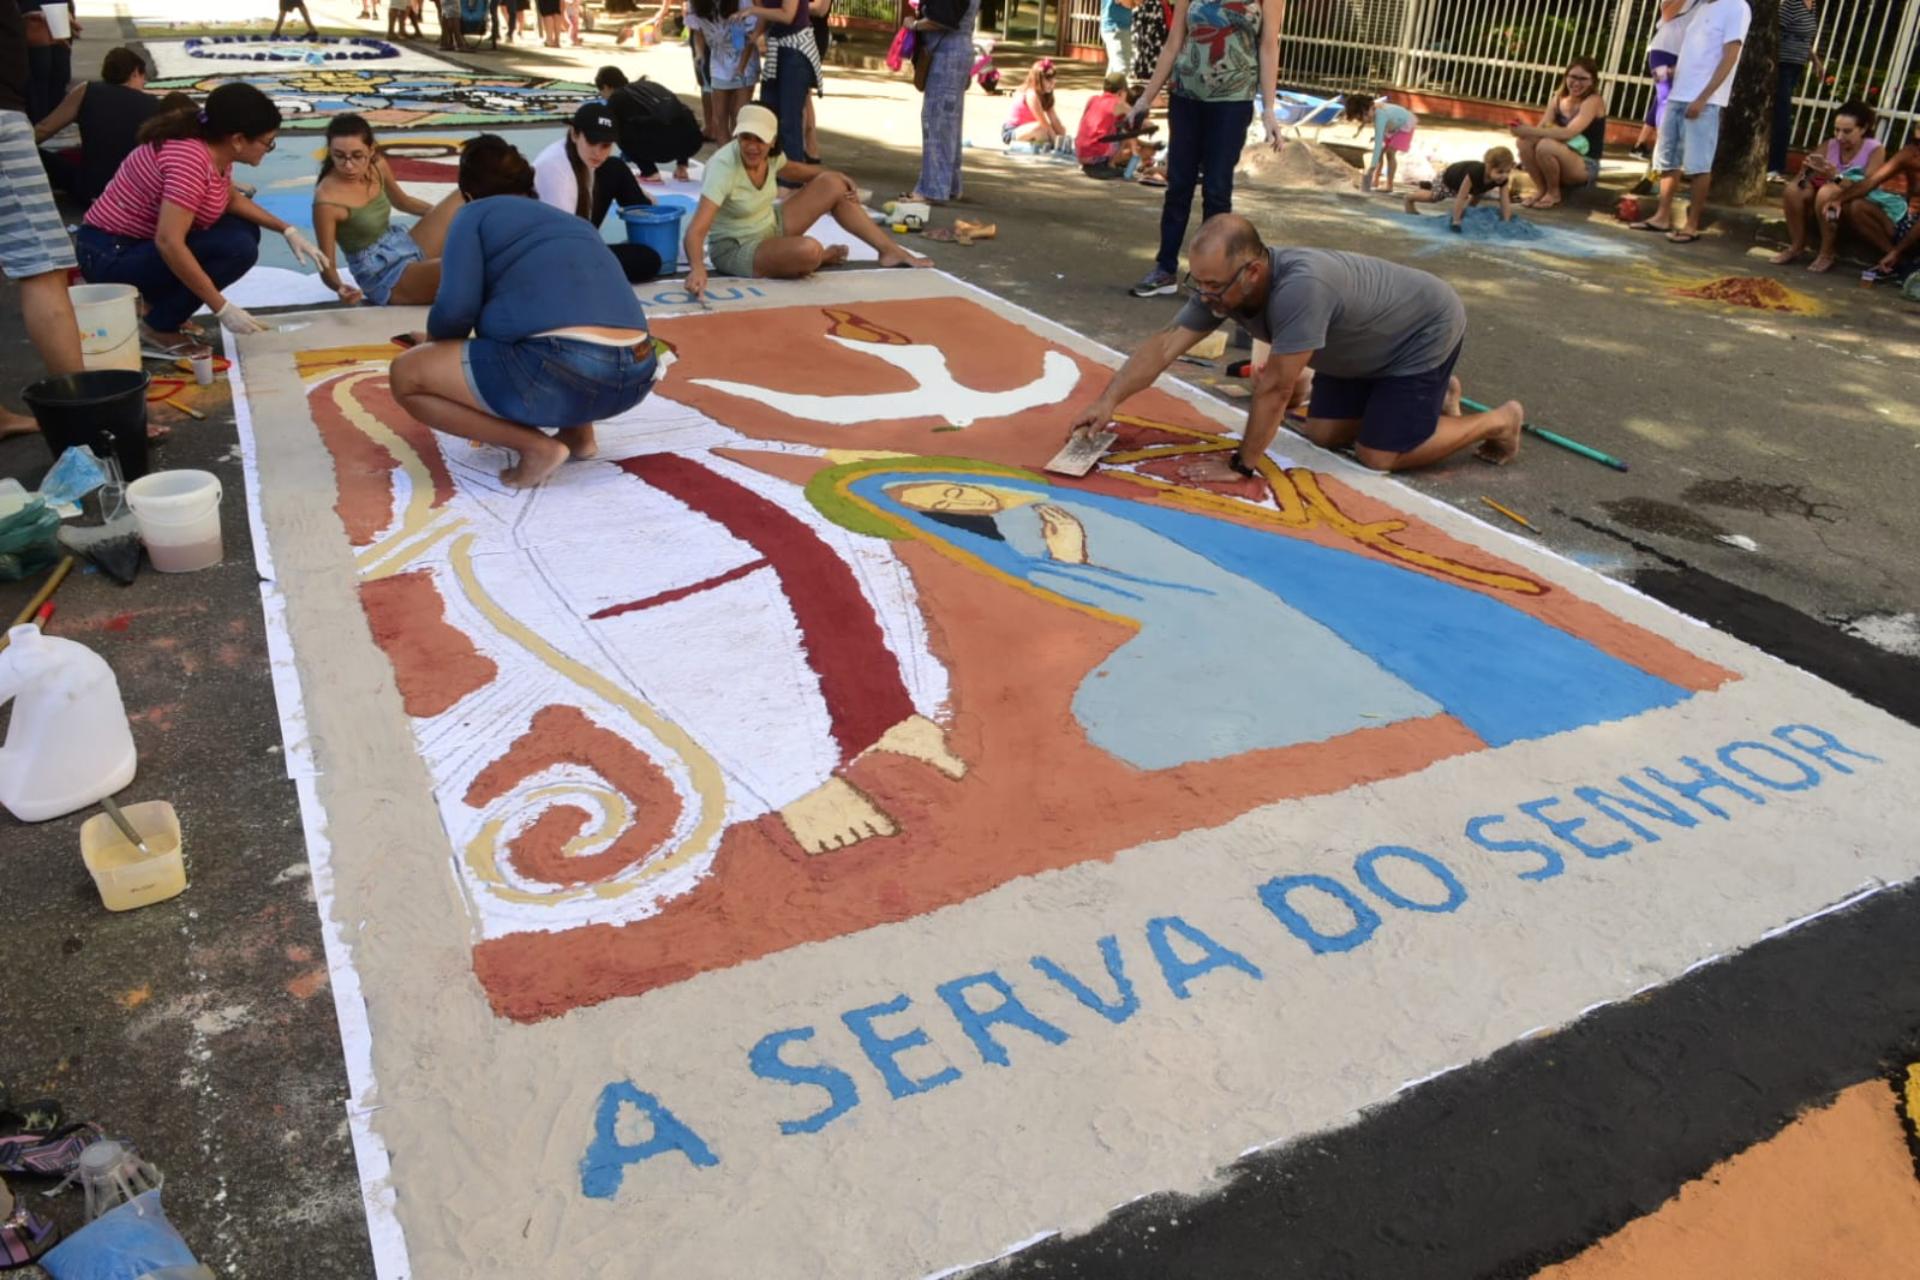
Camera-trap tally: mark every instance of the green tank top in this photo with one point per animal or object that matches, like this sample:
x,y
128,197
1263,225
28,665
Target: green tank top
x,y
361,227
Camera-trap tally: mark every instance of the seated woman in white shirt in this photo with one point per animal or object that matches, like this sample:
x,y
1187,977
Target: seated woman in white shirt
x,y
581,175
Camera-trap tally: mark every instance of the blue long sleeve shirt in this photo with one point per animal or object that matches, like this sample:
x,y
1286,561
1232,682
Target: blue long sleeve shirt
x,y
514,267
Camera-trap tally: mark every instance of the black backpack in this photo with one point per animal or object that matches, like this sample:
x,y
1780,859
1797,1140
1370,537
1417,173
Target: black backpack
x,y
644,110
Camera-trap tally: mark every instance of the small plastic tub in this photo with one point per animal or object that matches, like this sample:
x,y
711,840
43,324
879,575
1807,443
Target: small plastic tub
x,y
125,877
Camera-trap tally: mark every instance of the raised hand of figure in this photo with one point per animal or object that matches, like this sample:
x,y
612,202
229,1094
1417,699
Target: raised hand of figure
x,y
1066,537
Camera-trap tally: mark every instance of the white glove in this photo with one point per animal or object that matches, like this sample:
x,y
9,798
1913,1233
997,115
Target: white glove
x,y
235,319
303,249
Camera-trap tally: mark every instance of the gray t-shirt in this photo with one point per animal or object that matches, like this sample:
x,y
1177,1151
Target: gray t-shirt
x,y
1362,317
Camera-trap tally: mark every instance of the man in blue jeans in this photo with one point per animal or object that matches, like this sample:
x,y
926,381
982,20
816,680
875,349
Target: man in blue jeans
x,y
1218,55
1690,126
792,70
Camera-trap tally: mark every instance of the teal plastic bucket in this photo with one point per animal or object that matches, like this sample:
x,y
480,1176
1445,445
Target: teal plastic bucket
x,y
656,226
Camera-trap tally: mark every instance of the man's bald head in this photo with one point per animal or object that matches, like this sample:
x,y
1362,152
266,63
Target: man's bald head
x,y
1225,239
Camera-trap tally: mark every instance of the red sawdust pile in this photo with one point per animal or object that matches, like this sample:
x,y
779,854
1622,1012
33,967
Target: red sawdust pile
x,y
1757,292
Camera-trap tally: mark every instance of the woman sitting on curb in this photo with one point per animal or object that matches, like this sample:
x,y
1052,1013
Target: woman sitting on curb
x,y
579,175
1812,200
1562,152
353,205
739,224
558,341
171,223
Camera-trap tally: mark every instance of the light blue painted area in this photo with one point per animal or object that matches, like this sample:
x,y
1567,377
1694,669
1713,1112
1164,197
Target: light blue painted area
x,y
1251,639
1481,226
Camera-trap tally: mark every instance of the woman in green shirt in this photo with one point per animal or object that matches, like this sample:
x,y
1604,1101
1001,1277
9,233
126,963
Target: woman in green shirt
x,y
353,206
747,232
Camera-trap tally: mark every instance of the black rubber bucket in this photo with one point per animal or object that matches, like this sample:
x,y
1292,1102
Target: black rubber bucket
x,y
103,408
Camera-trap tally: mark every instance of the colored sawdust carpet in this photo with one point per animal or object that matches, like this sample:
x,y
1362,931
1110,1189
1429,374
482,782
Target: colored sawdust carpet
x,y
806,791
394,87
1757,292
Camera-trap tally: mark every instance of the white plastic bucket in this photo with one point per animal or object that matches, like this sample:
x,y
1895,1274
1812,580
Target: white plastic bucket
x,y
59,20
179,515
109,324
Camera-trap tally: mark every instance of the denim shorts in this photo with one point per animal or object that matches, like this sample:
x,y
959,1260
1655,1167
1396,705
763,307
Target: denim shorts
x,y
555,382
377,268
1687,145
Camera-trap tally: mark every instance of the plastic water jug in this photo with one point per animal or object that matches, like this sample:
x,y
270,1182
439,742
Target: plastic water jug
x,y
69,743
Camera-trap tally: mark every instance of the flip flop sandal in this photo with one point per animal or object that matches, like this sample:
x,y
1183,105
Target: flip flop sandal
x,y
41,1115
24,1236
1644,225
50,1155
1683,237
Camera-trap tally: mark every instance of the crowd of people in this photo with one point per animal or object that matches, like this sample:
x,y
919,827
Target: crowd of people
x,y
163,213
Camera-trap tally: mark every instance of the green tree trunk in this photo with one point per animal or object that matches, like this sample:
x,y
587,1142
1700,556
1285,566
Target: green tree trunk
x,y
1740,164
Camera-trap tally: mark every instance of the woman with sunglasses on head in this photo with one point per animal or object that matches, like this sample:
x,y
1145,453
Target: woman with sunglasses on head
x,y
353,206
172,224
1562,152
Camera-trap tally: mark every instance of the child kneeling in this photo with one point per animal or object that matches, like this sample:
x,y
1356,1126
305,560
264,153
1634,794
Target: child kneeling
x,y
1465,181
1096,144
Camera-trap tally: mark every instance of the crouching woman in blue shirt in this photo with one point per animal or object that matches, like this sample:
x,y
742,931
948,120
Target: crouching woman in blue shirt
x,y
559,341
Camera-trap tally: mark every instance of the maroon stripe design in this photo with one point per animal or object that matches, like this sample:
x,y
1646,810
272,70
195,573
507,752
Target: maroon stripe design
x,y
678,593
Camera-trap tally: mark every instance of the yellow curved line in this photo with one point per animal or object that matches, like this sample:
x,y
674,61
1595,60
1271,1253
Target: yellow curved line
x,y
394,564
419,511
709,782
482,851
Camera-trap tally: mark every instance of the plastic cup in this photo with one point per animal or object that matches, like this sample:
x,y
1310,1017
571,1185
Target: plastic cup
x,y
202,360
59,20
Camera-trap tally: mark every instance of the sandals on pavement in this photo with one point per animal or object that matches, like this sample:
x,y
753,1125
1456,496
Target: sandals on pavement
x,y
1646,225
47,1155
1682,237
24,1236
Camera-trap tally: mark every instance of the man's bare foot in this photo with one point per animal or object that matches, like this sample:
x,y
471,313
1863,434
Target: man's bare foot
x,y
579,441
1546,201
1451,405
1822,263
16,424
901,258
1785,256
1503,446
537,462
833,255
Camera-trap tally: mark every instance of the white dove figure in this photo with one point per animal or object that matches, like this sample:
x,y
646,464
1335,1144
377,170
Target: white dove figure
x,y
937,393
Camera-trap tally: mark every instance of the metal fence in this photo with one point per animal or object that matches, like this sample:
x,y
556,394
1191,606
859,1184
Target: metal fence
x,y
1514,51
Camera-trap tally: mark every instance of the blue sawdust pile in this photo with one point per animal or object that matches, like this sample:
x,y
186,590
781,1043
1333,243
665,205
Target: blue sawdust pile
x,y
1485,224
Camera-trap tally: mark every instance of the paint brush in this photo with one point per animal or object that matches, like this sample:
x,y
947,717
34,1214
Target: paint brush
x,y
1512,515
185,408
1554,437
126,828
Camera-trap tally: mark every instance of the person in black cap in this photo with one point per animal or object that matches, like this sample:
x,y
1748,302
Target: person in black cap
x,y
580,174
654,125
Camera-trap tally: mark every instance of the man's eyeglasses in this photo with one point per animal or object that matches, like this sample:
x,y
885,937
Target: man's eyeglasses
x,y
1199,290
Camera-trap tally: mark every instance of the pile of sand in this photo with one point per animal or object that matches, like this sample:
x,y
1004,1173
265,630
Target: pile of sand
x,y
1483,223
1757,292
1299,166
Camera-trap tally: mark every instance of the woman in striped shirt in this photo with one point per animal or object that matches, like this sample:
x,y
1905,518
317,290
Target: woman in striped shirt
x,y
1799,25
171,223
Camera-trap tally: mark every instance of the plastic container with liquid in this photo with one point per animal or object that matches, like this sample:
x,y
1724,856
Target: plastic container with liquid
x,y
179,515
126,877
69,743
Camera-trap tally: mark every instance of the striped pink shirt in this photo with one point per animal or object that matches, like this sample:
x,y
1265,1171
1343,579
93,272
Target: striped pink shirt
x,y
179,172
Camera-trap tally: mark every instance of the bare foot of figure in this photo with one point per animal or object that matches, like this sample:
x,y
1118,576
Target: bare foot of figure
x,y
833,255
537,462
1822,263
1546,201
579,441
1532,201
1785,256
901,258
1451,405
1504,446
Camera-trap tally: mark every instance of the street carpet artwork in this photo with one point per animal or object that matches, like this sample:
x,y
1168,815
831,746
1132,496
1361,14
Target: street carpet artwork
x,y
393,86
807,839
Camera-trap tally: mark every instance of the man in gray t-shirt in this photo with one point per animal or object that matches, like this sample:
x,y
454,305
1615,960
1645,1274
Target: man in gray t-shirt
x,y
1380,339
